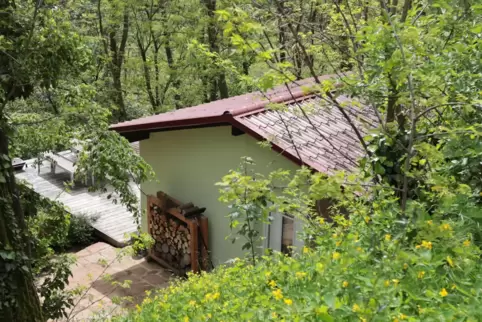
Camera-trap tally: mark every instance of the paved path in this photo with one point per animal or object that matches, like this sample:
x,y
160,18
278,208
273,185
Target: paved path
x,y
88,273
113,222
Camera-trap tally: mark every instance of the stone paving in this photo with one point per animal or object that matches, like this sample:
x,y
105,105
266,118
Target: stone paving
x,y
99,293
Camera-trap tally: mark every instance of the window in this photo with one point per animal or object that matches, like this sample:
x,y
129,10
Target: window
x,y
287,235
281,234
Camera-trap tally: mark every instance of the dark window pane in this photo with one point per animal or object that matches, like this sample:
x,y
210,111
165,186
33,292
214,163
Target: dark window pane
x,y
287,235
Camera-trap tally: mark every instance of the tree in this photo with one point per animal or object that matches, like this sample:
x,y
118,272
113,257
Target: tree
x,y
114,35
43,105
37,47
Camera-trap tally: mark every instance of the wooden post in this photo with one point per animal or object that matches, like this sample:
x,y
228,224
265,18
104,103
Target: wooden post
x,y
203,226
194,246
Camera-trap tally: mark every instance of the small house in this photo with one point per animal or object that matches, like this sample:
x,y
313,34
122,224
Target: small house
x,y
191,149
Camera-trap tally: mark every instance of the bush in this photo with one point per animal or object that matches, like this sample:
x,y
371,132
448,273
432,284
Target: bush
x,y
81,231
378,263
332,283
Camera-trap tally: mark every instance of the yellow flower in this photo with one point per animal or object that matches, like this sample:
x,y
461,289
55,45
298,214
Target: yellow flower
x,y
345,284
359,249
405,266
212,296
443,293
402,316
267,274
288,301
334,235
363,320
429,222
186,319
356,308
417,247
454,286
395,281
274,315
388,237
319,267
300,274
192,303
336,255
138,308
367,219
395,320
386,283
277,294
306,250
321,221
445,227
450,261
272,283
421,274
338,243
467,243
426,244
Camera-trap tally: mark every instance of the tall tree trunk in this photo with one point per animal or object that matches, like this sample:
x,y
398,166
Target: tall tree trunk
x,y
156,74
223,86
147,73
218,82
172,73
282,33
18,279
117,54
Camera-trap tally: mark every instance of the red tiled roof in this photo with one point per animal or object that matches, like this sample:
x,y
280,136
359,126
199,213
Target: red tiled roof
x,y
324,141
212,112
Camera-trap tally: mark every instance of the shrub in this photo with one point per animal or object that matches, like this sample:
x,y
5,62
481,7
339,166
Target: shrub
x,y
375,264
81,231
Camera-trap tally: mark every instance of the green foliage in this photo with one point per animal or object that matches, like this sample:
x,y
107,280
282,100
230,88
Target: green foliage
x,y
50,229
373,264
110,159
248,204
405,239
81,232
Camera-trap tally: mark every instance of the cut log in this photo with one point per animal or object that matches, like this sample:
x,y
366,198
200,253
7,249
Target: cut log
x,y
165,248
185,260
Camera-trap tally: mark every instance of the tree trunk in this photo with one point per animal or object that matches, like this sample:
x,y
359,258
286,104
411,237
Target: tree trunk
x,y
218,82
147,74
156,73
173,74
19,281
223,86
116,54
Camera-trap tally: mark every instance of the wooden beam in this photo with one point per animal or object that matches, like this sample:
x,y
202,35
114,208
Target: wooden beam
x,y
236,131
203,225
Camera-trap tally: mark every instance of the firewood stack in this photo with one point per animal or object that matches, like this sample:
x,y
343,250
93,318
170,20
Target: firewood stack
x,y
180,232
172,239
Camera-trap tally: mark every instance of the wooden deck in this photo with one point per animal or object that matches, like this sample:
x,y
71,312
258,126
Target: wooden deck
x,y
113,221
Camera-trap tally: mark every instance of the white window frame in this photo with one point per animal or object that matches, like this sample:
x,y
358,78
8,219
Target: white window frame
x,y
273,232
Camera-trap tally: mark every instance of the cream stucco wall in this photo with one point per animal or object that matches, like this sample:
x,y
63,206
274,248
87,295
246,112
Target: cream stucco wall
x,y
189,162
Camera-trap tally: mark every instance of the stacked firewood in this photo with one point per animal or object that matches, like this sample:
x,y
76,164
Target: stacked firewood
x,y
172,239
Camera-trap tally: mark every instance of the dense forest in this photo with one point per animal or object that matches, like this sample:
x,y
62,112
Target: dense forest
x,y
409,214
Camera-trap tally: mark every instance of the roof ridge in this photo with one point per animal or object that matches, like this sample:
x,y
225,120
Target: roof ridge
x,y
293,95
